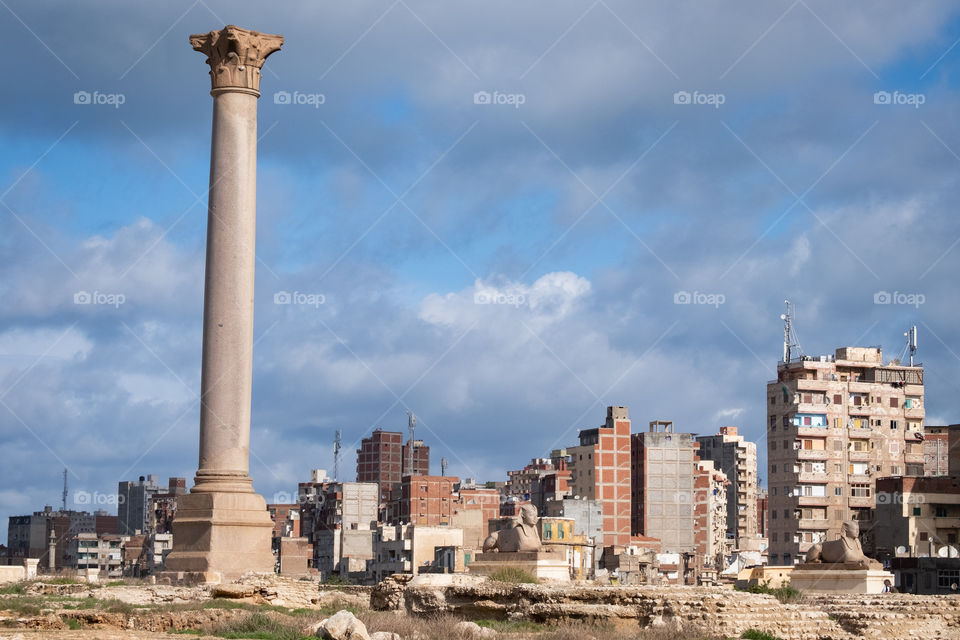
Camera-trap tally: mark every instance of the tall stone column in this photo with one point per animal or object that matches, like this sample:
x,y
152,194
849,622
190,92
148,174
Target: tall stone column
x,y
222,528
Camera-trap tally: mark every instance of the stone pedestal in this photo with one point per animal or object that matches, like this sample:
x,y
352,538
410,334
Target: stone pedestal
x,y
543,565
839,578
222,529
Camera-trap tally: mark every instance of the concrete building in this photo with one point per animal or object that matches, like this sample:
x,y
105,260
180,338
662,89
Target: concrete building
x,y
338,519
600,470
732,454
135,505
101,552
286,520
762,510
485,503
663,469
33,536
710,515
920,517
165,505
835,423
541,480
408,548
383,458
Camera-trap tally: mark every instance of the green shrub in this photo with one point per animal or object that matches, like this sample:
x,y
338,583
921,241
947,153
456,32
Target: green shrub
x,y
513,575
73,625
784,593
511,626
17,588
756,634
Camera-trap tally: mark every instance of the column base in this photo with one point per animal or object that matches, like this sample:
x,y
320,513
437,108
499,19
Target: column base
x,y
217,537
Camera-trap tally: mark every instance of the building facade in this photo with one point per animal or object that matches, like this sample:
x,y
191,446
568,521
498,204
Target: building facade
x,y
383,458
710,514
600,470
920,516
424,500
835,423
732,454
663,469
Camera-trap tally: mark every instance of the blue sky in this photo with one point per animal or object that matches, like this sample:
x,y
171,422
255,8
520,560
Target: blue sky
x,y
589,207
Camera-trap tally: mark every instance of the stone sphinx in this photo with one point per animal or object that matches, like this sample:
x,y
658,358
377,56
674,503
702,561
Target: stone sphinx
x,y
846,550
521,537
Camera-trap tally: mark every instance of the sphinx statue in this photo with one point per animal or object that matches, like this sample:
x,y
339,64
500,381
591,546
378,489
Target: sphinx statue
x,y
845,550
522,536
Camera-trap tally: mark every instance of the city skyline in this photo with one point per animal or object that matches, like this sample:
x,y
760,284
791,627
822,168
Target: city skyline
x,y
484,217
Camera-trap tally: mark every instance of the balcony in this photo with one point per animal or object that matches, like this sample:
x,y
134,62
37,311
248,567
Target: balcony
x,y
812,477
859,501
812,501
812,431
811,454
813,523
864,456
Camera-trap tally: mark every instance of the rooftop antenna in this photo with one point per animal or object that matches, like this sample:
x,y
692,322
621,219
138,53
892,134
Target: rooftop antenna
x,y
65,494
790,340
443,466
337,440
912,342
412,425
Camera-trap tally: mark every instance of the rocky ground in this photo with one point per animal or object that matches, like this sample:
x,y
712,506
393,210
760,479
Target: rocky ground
x,y
275,608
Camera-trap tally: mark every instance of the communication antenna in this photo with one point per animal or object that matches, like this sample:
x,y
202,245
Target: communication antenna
x,y
912,342
337,441
790,341
65,494
443,466
412,426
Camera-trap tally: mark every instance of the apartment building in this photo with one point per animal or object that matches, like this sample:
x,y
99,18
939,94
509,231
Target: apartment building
x,y
920,516
835,423
541,480
936,449
600,470
424,500
384,458
710,514
662,493
732,454
338,519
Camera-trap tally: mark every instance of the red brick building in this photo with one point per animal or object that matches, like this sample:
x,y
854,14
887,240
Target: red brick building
x,y
424,500
601,471
286,520
384,458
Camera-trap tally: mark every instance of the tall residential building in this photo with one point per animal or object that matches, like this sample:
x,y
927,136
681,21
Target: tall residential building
x,y
737,458
31,536
600,470
135,505
384,458
663,466
936,449
835,423
710,513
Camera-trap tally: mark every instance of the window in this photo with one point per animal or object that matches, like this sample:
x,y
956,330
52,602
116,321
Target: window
x,y
838,445
859,468
773,399
946,578
773,515
547,531
773,468
923,536
773,557
786,514
941,512
837,467
773,445
837,399
894,448
894,402
787,559
860,490
773,491
774,535
893,424
917,511
838,491
773,423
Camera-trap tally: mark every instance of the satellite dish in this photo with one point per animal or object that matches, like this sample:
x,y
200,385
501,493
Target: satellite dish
x,y
901,550
943,552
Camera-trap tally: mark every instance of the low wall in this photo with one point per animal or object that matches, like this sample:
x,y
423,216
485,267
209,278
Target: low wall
x,y
12,574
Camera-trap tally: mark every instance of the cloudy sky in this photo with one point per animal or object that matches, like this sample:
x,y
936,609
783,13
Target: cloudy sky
x,y
501,205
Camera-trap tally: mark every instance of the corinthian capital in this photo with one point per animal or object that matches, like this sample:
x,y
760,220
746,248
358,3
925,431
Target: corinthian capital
x,y
235,56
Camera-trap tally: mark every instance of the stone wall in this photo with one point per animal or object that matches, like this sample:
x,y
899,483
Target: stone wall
x,y
710,610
